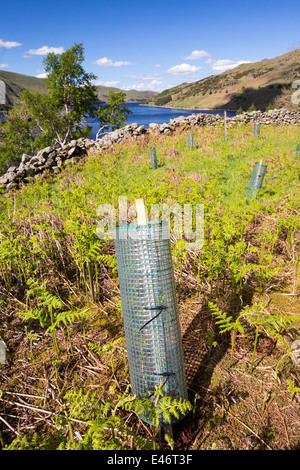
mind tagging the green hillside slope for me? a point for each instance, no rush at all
(131, 95)
(16, 83)
(258, 83)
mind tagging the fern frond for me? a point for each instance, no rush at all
(224, 321)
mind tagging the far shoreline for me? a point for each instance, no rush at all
(189, 109)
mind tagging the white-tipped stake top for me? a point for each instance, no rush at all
(141, 211)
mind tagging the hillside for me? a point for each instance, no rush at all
(259, 83)
(17, 82)
(131, 95)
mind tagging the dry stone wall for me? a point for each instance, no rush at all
(51, 159)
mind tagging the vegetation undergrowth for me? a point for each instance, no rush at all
(66, 383)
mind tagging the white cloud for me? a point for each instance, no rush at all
(144, 77)
(153, 85)
(9, 44)
(44, 50)
(104, 83)
(197, 55)
(157, 65)
(42, 75)
(225, 64)
(105, 62)
(183, 69)
(2, 66)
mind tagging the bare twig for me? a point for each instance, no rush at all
(284, 425)
(9, 426)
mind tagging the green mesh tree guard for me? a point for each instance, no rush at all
(190, 141)
(150, 311)
(256, 180)
(153, 158)
(256, 130)
(297, 151)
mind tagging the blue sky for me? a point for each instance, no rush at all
(149, 45)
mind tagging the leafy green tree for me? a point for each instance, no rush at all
(252, 108)
(70, 90)
(39, 119)
(20, 133)
(114, 113)
(58, 116)
(16, 134)
(46, 116)
(32, 124)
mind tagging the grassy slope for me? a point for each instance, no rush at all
(249, 256)
(131, 95)
(262, 82)
(16, 83)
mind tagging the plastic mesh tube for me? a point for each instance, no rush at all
(257, 178)
(150, 311)
(256, 130)
(153, 158)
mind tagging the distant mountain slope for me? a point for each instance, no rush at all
(258, 83)
(17, 82)
(131, 95)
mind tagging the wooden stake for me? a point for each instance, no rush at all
(141, 211)
(225, 123)
(2, 352)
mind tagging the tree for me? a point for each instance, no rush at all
(38, 120)
(20, 134)
(252, 108)
(45, 113)
(70, 90)
(58, 116)
(114, 113)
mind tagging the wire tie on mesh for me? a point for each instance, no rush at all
(164, 374)
(159, 307)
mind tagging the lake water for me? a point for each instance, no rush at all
(144, 115)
